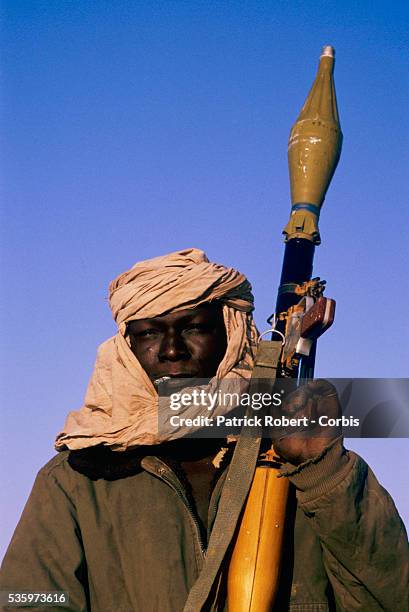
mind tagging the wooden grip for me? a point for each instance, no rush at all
(318, 318)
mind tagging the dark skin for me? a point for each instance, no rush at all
(192, 343)
(188, 343)
(315, 399)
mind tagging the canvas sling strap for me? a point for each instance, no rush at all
(236, 487)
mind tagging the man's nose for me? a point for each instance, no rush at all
(173, 348)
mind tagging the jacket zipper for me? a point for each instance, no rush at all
(189, 506)
(174, 484)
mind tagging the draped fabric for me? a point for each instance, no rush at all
(121, 403)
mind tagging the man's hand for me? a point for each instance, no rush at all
(313, 400)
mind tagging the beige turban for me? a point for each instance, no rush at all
(121, 403)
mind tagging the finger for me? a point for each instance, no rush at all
(296, 400)
(322, 387)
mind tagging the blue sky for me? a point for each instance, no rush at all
(131, 129)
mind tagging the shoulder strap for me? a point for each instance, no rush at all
(236, 486)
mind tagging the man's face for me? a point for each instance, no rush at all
(184, 344)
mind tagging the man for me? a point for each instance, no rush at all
(120, 518)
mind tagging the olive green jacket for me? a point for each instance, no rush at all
(134, 544)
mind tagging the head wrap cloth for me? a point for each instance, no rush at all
(121, 403)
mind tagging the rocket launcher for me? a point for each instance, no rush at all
(302, 315)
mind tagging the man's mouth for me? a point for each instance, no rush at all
(163, 377)
(175, 375)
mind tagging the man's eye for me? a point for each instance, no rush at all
(146, 333)
(196, 328)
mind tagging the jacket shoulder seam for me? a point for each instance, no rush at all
(55, 462)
